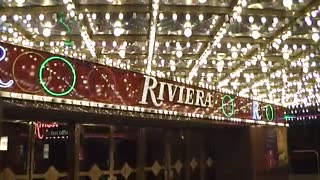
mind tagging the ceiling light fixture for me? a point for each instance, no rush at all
(118, 30)
(315, 37)
(20, 1)
(46, 32)
(187, 29)
(287, 3)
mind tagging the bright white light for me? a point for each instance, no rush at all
(174, 16)
(122, 52)
(255, 34)
(315, 37)
(201, 17)
(234, 55)
(107, 16)
(173, 68)
(46, 32)
(202, 1)
(41, 17)
(251, 19)
(3, 18)
(20, 1)
(287, 3)
(285, 55)
(117, 31)
(15, 17)
(179, 53)
(187, 31)
(161, 16)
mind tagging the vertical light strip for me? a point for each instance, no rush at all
(71, 8)
(236, 11)
(152, 34)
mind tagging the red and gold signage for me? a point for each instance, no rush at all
(41, 73)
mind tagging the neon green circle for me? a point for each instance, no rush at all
(269, 108)
(223, 104)
(43, 84)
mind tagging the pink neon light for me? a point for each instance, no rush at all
(40, 127)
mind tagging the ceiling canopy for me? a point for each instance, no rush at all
(267, 49)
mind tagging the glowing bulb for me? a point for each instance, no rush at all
(46, 32)
(287, 3)
(285, 55)
(315, 37)
(187, 31)
(117, 31)
(20, 1)
(255, 34)
(122, 52)
(179, 53)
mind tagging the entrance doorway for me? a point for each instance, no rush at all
(60, 150)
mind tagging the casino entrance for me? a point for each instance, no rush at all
(64, 150)
(80, 146)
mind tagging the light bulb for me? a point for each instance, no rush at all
(287, 3)
(285, 55)
(122, 52)
(315, 37)
(255, 34)
(187, 31)
(46, 32)
(179, 53)
(117, 31)
(20, 1)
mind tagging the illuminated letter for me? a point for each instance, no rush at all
(199, 98)
(171, 92)
(161, 90)
(209, 100)
(189, 98)
(148, 87)
(181, 94)
(255, 111)
(269, 112)
(2, 57)
(225, 104)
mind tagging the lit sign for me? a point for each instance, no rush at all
(227, 103)
(4, 143)
(178, 94)
(255, 110)
(40, 128)
(3, 55)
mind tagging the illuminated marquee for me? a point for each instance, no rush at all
(41, 73)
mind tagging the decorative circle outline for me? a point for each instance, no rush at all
(90, 91)
(223, 104)
(13, 71)
(43, 84)
(269, 107)
(4, 53)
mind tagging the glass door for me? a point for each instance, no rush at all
(14, 150)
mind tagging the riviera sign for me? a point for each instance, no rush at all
(176, 94)
(155, 91)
